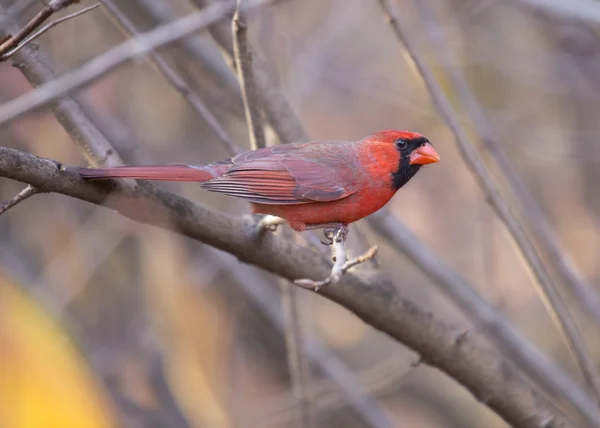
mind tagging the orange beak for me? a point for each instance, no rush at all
(424, 155)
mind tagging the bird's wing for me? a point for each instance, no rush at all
(291, 174)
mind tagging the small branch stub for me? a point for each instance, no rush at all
(341, 263)
(20, 197)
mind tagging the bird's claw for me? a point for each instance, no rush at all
(264, 224)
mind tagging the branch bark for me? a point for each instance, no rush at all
(466, 358)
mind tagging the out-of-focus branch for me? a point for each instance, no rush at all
(202, 51)
(557, 307)
(466, 358)
(18, 198)
(534, 216)
(242, 57)
(176, 80)
(131, 49)
(583, 10)
(278, 112)
(52, 7)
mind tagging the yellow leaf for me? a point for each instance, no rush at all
(44, 381)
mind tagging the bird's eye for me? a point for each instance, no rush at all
(401, 144)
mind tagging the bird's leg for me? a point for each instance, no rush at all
(266, 222)
(341, 263)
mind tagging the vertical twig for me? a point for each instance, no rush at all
(242, 55)
(557, 308)
(297, 362)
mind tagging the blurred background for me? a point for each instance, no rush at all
(104, 322)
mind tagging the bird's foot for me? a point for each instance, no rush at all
(341, 263)
(265, 223)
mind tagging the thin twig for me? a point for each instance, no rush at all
(177, 81)
(549, 292)
(45, 28)
(52, 7)
(18, 198)
(126, 51)
(242, 55)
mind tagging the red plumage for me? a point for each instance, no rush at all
(308, 184)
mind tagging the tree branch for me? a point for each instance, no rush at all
(465, 358)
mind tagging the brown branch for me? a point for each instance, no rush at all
(242, 57)
(465, 358)
(18, 198)
(52, 7)
(558, 308)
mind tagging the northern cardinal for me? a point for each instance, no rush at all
(310, 185)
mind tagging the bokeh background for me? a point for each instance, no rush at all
(104, 322)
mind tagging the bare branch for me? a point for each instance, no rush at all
(535, 218)
(242, 55)
(131, 49)
(45, 28)
(18, 198)
(468, 360)
(176, 80)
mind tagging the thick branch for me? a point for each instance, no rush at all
(465, 358)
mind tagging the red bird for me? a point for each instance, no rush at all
(310, 185)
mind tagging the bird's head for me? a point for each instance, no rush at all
(414, 151)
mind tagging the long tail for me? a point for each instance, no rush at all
(151, 172)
